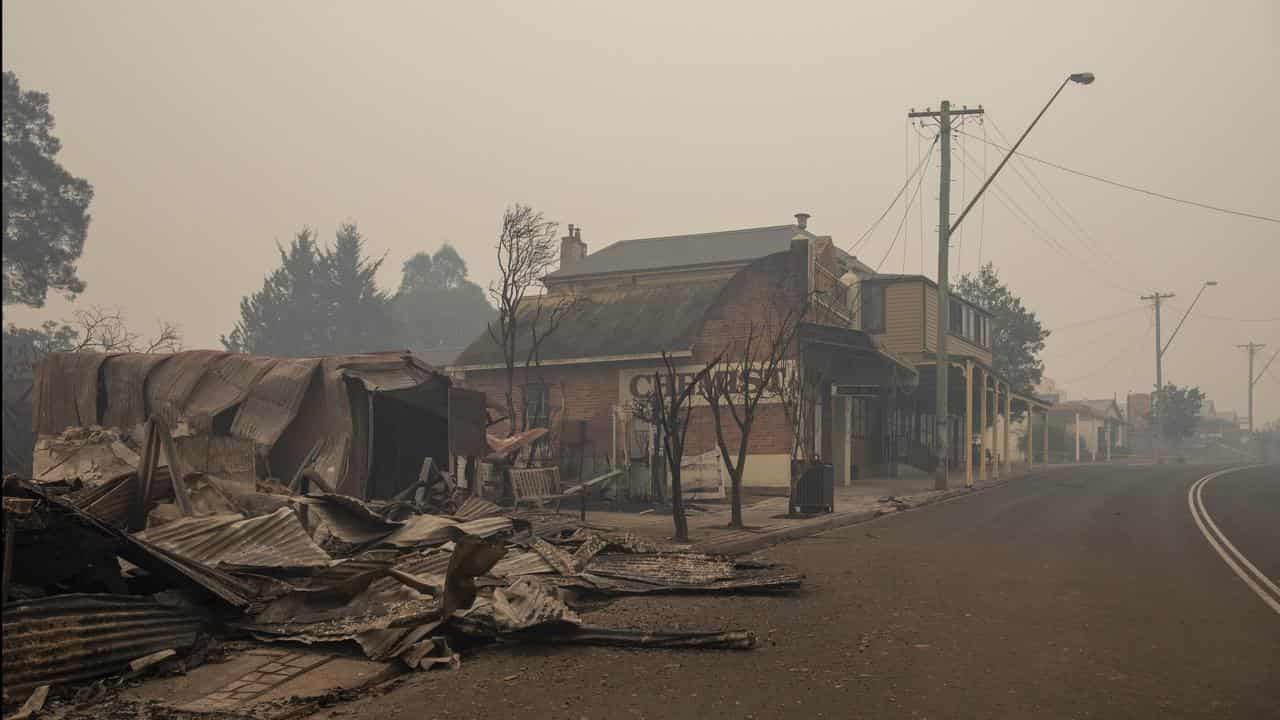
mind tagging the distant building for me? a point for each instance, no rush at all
(1079, 432)
(1117, 426)
(1138, 411)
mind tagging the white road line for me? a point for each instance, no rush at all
(1217, 540)
(1208, 519)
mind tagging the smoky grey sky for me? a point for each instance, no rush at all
(212, 130)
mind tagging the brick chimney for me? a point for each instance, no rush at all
(572, 249)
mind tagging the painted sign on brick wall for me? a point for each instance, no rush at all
(637, 383)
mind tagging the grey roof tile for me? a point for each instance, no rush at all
(725, 246)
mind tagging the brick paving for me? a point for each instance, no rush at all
(277, 667)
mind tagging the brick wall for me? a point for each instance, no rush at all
(757, 294)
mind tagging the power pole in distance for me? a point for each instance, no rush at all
(942, 360)
(1157, 430)
(1253, 349)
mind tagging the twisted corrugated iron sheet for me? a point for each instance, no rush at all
(275, 541)
(65, 639)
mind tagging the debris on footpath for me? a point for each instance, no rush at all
(88, 600)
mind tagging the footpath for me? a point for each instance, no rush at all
(767, 522)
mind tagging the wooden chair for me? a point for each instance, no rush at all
(538, 486)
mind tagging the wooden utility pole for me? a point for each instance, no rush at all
(1156, 428)
(942, 360)
(1253, 349)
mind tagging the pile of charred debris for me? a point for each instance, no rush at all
(111, 568)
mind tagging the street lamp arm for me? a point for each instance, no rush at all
(1265, 367)
(1007, 157)
(1184, 319)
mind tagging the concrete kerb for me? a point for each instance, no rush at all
(769, 538)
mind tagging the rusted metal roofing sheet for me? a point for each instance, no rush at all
(474, 508)
(668, 569)
(379, 373)
(171, 383)
(125, 378)
(273, 401)
(66, 391)
(350, 520)
(91, 455)
(437, 530)
(225, 383)
(109, 502)
(521, 563)
(684, 572)
(425, 564)
(275, 541)
(65, 639)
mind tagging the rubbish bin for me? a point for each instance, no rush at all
(816, 488)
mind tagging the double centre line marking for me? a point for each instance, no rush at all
(1239, 564)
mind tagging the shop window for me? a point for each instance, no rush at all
(537, 405)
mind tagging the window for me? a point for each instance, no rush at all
(537, 404)
(872, 308)
(969, 323)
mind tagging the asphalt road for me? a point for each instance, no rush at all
(1077, 593)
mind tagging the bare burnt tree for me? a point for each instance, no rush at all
(104, 329)
(668, 407)
(750, 371)
(526, 252)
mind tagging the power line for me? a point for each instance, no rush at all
(914, 194)
(1110, 360)
(1101, 318)
(1046, 238)
(982, 218)
(892, 202)
(1083, 348)
(920, 221)
(1134, 188)
(1076, 227)
(1234, 319)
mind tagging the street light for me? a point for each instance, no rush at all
(1160, 351)
(1084, 78)
(946, 229)
(1207, 284)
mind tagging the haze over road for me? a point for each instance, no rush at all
(1075, 593)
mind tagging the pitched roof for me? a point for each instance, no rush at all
(636, 321)
(726, 246)
(1103, 406)
(1078, 406)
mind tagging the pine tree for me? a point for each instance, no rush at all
(317, 302)
(360, 312)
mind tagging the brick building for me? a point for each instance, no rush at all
(690, 296)
(864, 350)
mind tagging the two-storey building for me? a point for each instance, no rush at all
(863, 350)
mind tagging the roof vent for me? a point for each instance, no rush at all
(802, 220)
